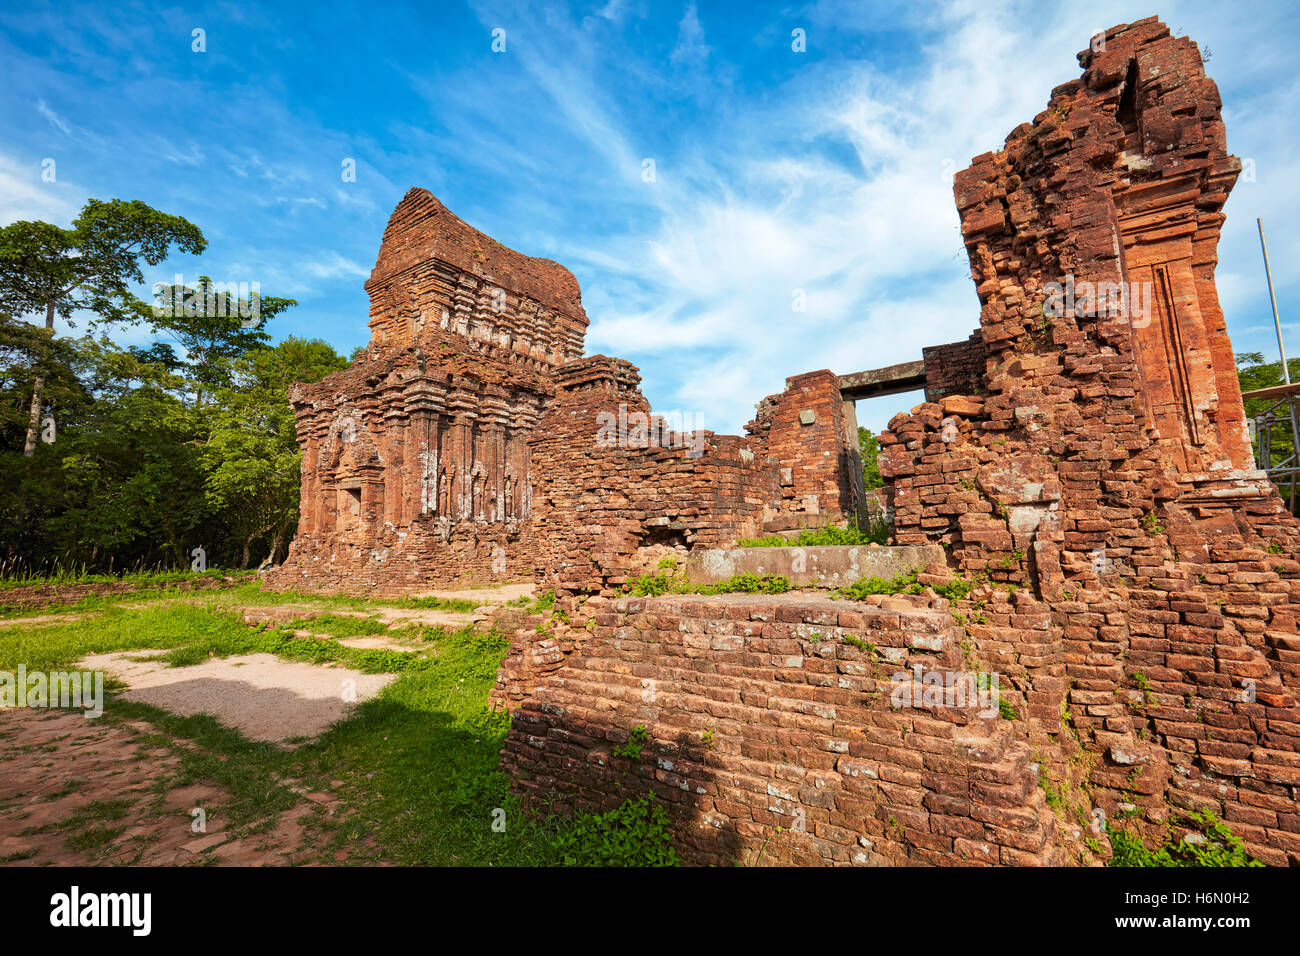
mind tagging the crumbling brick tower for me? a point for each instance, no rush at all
(416, 465)
(1102, 457)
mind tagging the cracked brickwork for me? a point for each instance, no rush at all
(415, 459)
(1083, 455)
(761, 712)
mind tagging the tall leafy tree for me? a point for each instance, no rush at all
(213, 325)
(91, 267)
(869, 452)
(31, 491)
(134, 479)
(250, 456)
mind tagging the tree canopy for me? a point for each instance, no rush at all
(145, 452)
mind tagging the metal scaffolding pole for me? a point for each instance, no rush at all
(1286, 372)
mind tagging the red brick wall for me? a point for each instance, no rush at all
(806, 438)
(1103, 463)
(761, 715)
(430, 426)
(598, 504)
(605, 514)
(467, 471)
(954, 369)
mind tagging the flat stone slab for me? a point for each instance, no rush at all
(264, 696)
(831, 566)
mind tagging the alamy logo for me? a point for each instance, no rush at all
(636, 429)
(79, 690)
(1098, 299)
(939, 688)
(74, 908)
(209, 300)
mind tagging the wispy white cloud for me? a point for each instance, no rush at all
(334, 266)
(690, 47)
(191, 156)
(820, 180)
(298, 274)
(24, 195)
(57, 121)
(832, 191)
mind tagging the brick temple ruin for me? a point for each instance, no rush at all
(1081, 461)
(472, 442)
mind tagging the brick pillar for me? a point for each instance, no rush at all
(309, 518)
(395, 470)
(372, 494)
(857, 503)
(458, 449)
(496, 416)
(422, 459)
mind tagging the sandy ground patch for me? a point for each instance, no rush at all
(381, 643)
(259, 694)
(497, 594)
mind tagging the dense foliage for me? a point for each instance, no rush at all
(869, 451)
(1211, 843)
(1254, 373)
(144, 453)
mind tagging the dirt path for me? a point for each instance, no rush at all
(79, 791)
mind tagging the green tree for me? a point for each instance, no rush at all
(213, 327)
(1254, 373)
(250, 456)
(28, 353)
(869, 450)
(32, 490)
(91, 266)
(130, 471)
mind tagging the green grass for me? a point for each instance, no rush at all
(666, 582)
(828, 536)
(418, 762)
(906, 583)
(339, 626)
(153, 586)
(430, 603)
(245, 589)
(766, 541)
(141, 578)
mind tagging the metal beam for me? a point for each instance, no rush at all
(1273, 391)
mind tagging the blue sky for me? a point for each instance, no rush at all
(827, 171)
